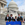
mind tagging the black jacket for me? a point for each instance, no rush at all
(10, 18)
(18, 19)
(6, 18)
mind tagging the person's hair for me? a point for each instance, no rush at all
(15, 16)
(18, 14)
(10, 14)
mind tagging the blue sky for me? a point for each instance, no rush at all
(20, 3)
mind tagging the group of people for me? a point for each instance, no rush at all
(19, 18)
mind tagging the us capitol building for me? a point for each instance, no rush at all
(12, 9)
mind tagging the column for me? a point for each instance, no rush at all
(0, 8)
(3, 5)
(0, 5)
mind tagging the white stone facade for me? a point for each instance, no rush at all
(2, 9)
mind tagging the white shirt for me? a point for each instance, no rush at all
(11, 17)
(7, 17)
(19, 16)
(15, 19)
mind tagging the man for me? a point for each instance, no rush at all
(15, 18)
(22, 17)
(7, 17)
(11, 18)
(24, 20)
(19, 18)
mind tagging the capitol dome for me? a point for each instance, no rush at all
(12, 4)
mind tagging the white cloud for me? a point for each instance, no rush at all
(22, 7)
(18, 2)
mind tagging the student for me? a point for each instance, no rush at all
(22, 17)
(15, 18)
(19, 18)
(11, 18)
(24, 20)
(7, 17)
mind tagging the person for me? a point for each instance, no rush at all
(11, 18)
(22, 17)
(15, 18)
(24, 21)
(7, 17)
(19, 18)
